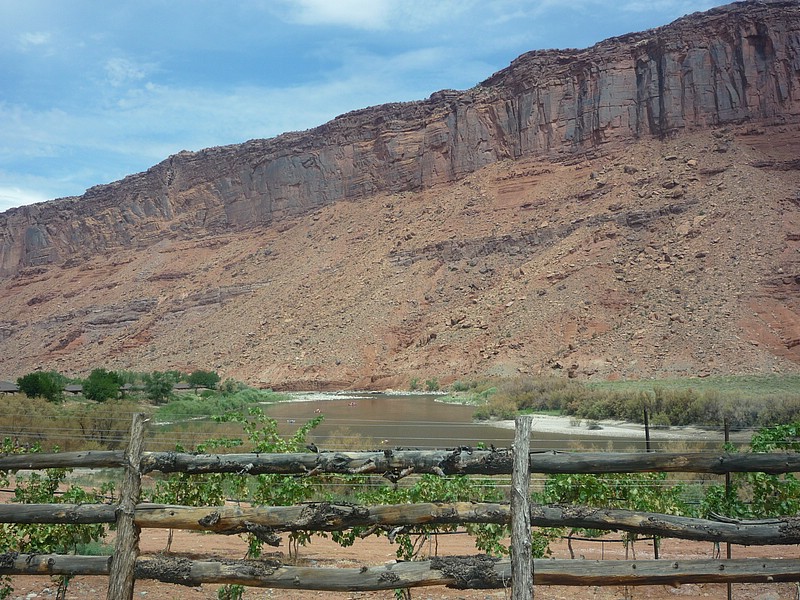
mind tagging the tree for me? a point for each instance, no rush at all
(206, 379)
(102, 385)
(43, 384)
(158, 386)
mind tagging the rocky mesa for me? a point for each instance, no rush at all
(733, 64)
(629, 209)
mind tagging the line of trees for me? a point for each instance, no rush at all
(102, 384)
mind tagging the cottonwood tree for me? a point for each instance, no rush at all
(158, 386)
(206, 379)
(102, 385)
(43, 384)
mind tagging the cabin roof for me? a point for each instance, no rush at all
(8, 386)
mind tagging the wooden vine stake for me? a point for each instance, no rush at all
(126, 547)
(521, 559)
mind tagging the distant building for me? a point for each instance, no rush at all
(8, 387)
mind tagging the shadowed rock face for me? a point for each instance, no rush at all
(737, 63)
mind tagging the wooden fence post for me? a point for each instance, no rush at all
(728, 553)
(521, 559)
(126, 547)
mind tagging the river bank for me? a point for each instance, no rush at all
(562, 425)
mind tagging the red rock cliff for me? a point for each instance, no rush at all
(736, 63)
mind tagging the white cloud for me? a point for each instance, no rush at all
(674, 7)
(34, 38)
(359, 14)
(121, 72)
(397, 15)
(12, 196)
(34, 43)
(416, 15)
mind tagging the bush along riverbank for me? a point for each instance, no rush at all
(742, 402)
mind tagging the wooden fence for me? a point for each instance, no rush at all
(521, 573)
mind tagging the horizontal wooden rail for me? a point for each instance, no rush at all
(398, 463)
(94, 459)
(478, 572)
(395, 464)
(326, 516)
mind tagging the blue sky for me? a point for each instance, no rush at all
(92, 90)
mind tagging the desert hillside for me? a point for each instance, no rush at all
(628, 210)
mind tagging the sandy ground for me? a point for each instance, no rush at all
(617, 429)
(376, 551)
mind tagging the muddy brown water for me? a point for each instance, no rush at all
(423, 421)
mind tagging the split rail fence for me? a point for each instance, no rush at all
(520, 573)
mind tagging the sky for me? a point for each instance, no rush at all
(92, 90)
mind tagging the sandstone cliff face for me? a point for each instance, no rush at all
(661, 258)
(737, 63)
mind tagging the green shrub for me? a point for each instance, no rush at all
(43, 384)
(780, 408)
(497, 408)
(660, 421)
(48, 487)
(462, 386)
(101, 385)
(673, 406)
(189, 406)
(231, 386)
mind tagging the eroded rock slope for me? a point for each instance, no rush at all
(626, 210)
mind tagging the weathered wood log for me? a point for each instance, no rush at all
(521, 540)
(664, 572)
(332, 517)
(746, 533)
(126, 545)
(58, 513)
(464, 572)
(326, 516)
(14, 563)
(95, 459)
(394, 463)
(465, 462)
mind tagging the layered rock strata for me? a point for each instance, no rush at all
(736, 63)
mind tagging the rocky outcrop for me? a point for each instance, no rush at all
(526, 244)
(736, 63)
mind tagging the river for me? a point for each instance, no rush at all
(372, 421)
